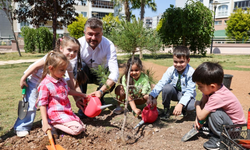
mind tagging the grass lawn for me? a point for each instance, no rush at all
(10, 76)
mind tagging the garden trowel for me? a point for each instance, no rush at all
(190, 134)
(23, 105)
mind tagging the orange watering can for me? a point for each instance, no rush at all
(149, 115)
(93, 106)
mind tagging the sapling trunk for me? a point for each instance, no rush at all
(126, 99)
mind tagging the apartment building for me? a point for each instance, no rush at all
(94, 8)
(147, 22)
(155, 21)
(151, 22)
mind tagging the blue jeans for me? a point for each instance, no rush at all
(31, 96)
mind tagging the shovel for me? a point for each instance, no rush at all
(190, 134)
(52, 145)
(23, 105)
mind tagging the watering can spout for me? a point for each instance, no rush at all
(139, 124)
(105, 106)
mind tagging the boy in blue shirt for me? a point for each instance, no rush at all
(176, 84)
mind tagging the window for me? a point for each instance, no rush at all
(222, 10)
(243, 4)
(102, 4)
(84, 14)
(225, 21)
(99, 15)
(22, 24)
(201, 1)
(217, 22)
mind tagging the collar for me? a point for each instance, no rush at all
(53, 79)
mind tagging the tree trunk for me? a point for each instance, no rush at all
(127, 10)
(17, 45)
(142, 9)
(141, 55)
(183, 41)
(54, 24)
(126, 99)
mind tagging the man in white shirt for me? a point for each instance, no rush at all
(97, 50)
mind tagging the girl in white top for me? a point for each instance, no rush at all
(70, 47)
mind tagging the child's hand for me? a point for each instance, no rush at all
(152, 101)
(23, 83)
(83, 95)
(137, 111)
(178, 109)
(46, 127)
(197, 125)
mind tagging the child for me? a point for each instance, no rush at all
(53, 97)
(176, 84)
(70, 47)
(218, 104)
(140, 86)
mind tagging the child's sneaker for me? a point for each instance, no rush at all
(165, 115)
(213, 143)
(118, 110)
(22, 133)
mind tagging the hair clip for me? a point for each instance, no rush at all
(78, 70)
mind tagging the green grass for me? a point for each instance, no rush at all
(11, 93)
(228, 62)
(15, 56)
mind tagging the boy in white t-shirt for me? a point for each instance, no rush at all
(218, 104)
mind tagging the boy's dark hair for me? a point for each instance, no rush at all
(181, 51)
(208, 73)
(93, 23)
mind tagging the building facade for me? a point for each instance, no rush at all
(151, 22)
(94, 8)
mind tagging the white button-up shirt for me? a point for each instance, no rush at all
(104, 54)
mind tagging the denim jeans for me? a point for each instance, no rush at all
(31, 96)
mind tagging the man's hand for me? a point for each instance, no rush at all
(152, 101)
(97, 94)
(178, 109)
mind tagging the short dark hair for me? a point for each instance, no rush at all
(93, 23)
(208, 73)
(181, 51)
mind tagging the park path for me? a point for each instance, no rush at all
(17, 61)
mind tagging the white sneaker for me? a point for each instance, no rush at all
(22, 133)
(118, 110)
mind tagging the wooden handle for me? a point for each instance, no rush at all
(51, 139)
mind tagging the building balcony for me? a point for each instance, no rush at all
(102, 4)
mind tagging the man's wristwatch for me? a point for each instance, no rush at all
(101, 92)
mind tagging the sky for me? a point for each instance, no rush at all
(162, 5)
